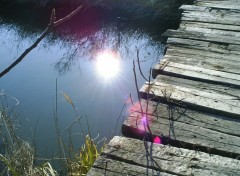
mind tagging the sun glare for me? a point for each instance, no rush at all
(108, 65)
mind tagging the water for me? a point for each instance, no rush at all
(68, 56)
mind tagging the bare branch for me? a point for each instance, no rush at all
(136, 85)
(57, 23)
(50, 27)
(148, 91)
(139, 66)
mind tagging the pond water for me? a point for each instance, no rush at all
(67, 63)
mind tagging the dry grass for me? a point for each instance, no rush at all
(17, 157)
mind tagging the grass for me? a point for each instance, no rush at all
(18, 156)
(82, 163)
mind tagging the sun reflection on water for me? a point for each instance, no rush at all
(108, 64)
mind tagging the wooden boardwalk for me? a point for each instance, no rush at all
(191, 110)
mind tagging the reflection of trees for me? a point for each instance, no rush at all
(97, 30)
(119, 37)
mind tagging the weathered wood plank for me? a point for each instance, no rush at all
(193, 8)
(232, 51)
(222, 65)
(197, 73)
(203, 51)
(169, 159)
(109, 167)
(211, 88)
(178, 113)
(201, 98)
(204, 54)
(229, 18)
(173, 123)
(190, 44)
(227, 37)
(234, 47)
(189, 25)
(207, 9)
(212, 31)
(235, 5)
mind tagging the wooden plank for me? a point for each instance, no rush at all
(110, 167)
(215, 18)
(195, 51)
(198, 73)
(235, 5)
(177, 113)
(179, 126)
(189, 25)
(169, 159)
(227, 37)
(229, 78)
(211, 88)
(204, 54)
(232, 51)
(196, 44)
(212, 31)
(204, 97)
(234, 47)
(222, 65)
(207, 9)
(186, 7)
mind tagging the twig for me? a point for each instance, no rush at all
(131, 99)
(136, 85)
(148, 90)
(146, 126)
(57, 23)
(139, 66)
(123, 107)
(148, 154)
(52, 24)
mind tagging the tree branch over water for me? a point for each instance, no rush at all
(52, 24)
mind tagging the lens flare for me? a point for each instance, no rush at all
(108, 64)
(157, 140)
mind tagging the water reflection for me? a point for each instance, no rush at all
(69, 54)
(108, 64)
(86, 35)
(108, 38)
(84, 40)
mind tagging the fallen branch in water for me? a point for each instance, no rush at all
(52, 24)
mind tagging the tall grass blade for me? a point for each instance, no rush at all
(48, 170)
(69, 100)
(8, 164)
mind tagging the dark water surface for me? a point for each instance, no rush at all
(69, 55)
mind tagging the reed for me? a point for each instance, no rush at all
(17, 156)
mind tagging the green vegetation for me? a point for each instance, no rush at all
(18, 156)
(81, 164)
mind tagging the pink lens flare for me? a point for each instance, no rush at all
(144, 121)
(157, 140)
